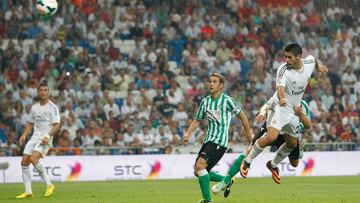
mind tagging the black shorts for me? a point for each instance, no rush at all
(212, 153)
(294, 154)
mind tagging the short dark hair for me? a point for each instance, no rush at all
(221, 78)
(294, 48)
(43, 84)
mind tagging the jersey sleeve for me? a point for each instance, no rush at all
(280, 76)
(233, 107)
(310, 60)
(200, 114)
(55, 115)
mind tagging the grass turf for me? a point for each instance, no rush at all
(291, 189)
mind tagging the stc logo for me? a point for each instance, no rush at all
(155, 170)
(309, 166)
(75, 172)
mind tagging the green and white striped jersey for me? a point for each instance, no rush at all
(218, 112)
(306, 110)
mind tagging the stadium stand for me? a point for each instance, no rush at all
(127, 75)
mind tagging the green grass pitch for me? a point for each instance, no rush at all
(291, 189)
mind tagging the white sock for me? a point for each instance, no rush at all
(254, 152)
(43, 174)
(26, 179)
(281, 154)
(203, 172)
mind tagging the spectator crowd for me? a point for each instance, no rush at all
(146, 97)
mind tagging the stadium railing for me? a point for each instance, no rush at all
(190, 149)
(331, 146)
(101, 150)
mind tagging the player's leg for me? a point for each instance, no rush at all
(228, 181)
(280, 140)
(26, 176)
(258, 147)
(201, 172)
(295, 155)
(40, 151)
(204, 178)
(25, 163)
(260, 133)
(216, 177)
(235, 167)
(208, 158)
(283, 151)
(294, 162)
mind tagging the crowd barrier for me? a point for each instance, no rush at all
(127, 167)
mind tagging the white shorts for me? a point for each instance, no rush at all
(35, 145)
(283, 120)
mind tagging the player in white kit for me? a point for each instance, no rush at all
(291, 80)
(45, 119)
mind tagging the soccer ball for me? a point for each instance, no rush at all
(46, 7)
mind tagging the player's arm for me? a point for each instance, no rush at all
(280, 85)
(200, 114)
(55, 118)
(305, 120)
(262, 114)
(28, 127)
(194, 124)
(245, 121)
(320, 68)
(235, 109)
(281, 95)
(54, 129)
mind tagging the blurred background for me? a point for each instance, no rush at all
(127, 76)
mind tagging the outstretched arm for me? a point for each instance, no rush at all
(194, 124)
(262, 114)
(320, 68)
(302, 117)
(245, 121)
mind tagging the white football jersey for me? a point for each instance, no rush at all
(43, 118)
(294, 81)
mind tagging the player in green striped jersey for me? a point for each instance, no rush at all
(301, 111)
(217, 109)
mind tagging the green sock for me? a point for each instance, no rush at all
(234, 169)
(215, 176)
(204, 181)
